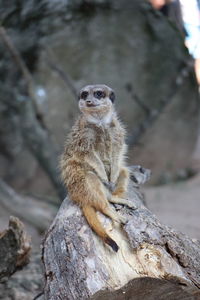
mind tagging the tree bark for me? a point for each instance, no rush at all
(79, 266)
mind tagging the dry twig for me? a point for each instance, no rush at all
(53, 64)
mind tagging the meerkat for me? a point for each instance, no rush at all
(93, 163)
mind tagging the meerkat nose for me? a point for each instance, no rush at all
(89, 103)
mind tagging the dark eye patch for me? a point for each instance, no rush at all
(112, 96)
(99, 94)
(84, 95)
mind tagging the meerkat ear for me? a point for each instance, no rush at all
(112, 96)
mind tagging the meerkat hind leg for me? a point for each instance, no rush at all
(113, 215)
(101, 202)
(121, 184)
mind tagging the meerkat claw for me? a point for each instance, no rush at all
(123, 219)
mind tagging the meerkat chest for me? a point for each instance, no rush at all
(107, 145)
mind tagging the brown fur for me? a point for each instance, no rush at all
(93, 164)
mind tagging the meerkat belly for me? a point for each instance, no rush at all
(104, 150)
(106, 160)
(107, 165)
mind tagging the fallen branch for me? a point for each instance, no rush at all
(137, 99)
(25, 284)
(53, 64)
(14, 248)
(37, 213)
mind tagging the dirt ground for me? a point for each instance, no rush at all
(177, 205)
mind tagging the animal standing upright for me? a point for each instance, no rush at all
(93, 163)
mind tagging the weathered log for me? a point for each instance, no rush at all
(79, 266)
(14, 248)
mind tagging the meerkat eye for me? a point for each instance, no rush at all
(99, 94)
(112, 96)
(84, 95)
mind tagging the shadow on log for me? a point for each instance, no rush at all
(79, 266)
(147, 288)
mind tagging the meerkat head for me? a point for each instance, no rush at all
(96, 102)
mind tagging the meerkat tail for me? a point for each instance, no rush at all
(92, 219)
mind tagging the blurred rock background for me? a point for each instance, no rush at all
(49, 50)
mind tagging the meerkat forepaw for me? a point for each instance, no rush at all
(116, 224)
(130, 204)
(117, 200)
(119, 220)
